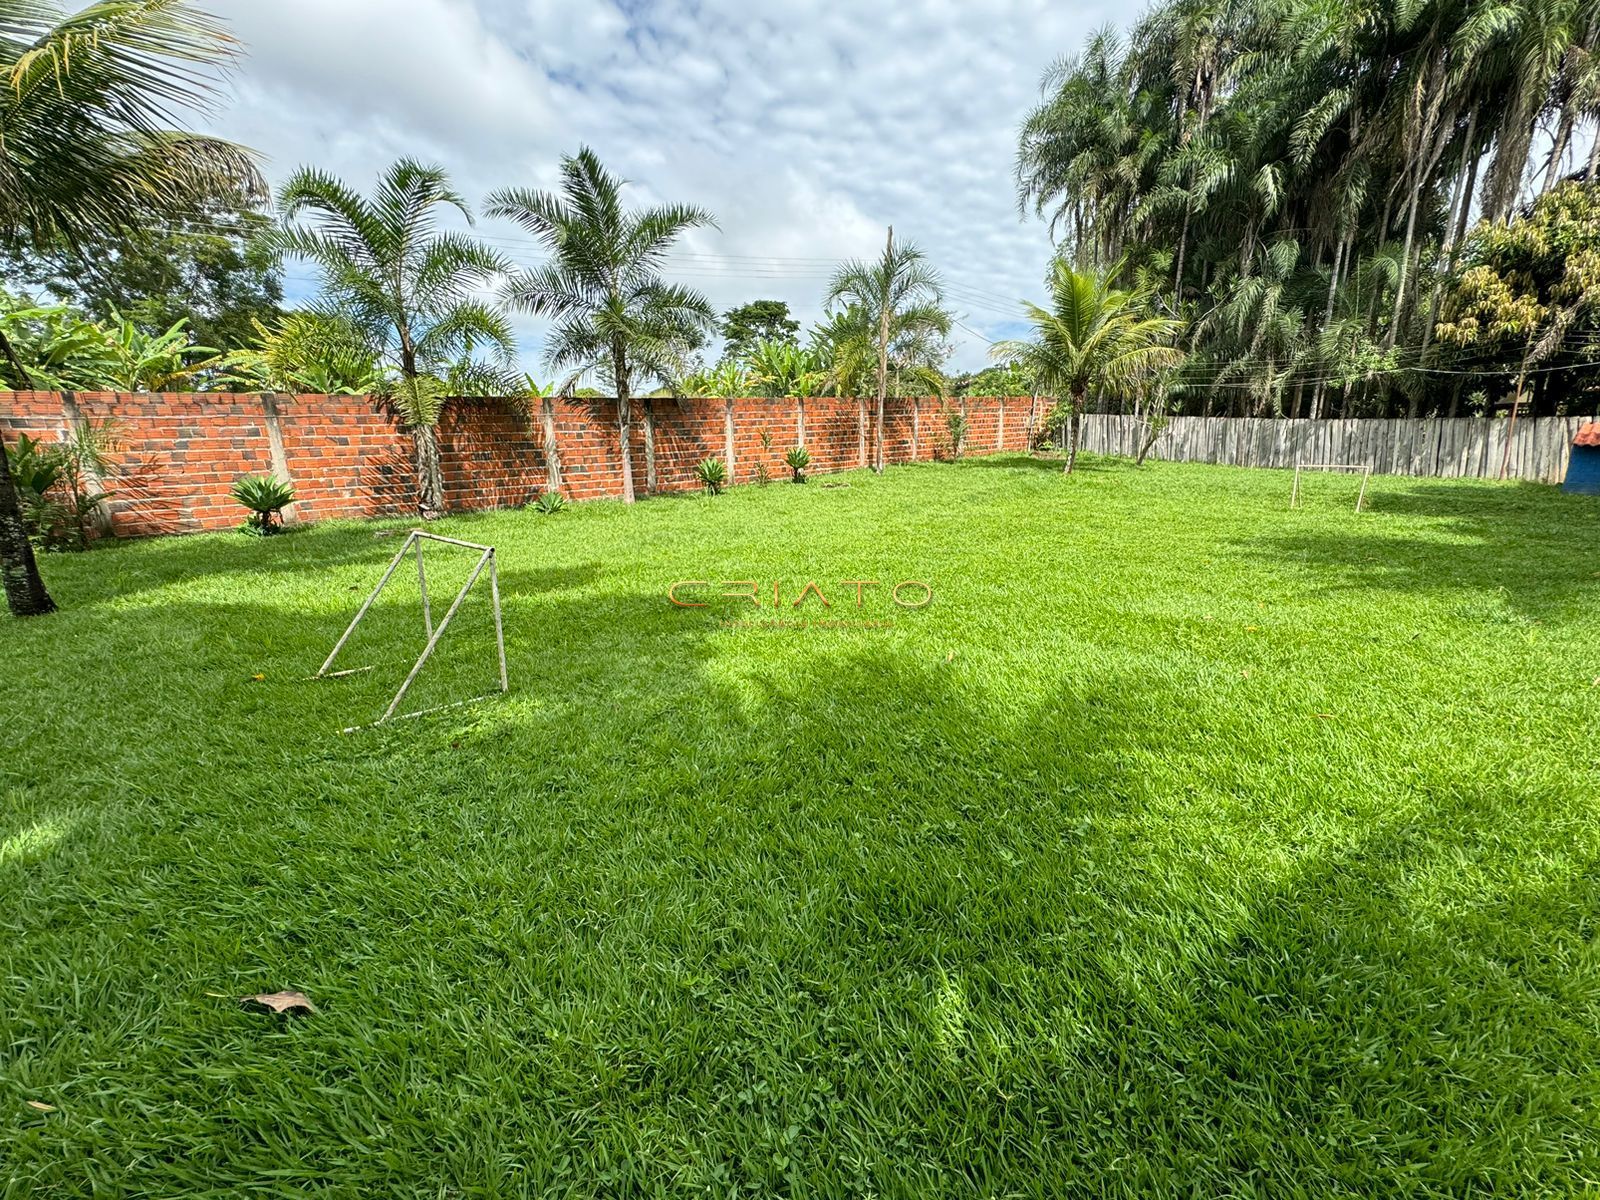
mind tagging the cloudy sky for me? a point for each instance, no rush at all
(805, 127)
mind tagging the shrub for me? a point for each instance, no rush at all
(266, 496)
(54, 483)
(712, 474)
(798, 460)
(763, 473)
(956, 426)
(36, 469)
(550, 503)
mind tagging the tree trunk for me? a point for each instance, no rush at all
(619, 369)
(19, 570)
(883, 360)
(1559, 149)
(552, 451)
(1183, 245)
(430, 481)
(650, 485)
(1072, 430)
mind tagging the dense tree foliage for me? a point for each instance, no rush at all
(746, 325)
(208, 269)
(1297, 178)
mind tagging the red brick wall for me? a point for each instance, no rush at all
(180, 452)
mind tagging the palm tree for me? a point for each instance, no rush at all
(86, 105)
(410, 288)
(899, 294)
(1094, 336)
(613, 312)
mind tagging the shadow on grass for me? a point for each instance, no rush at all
(724, 907)
(1519, 542)
(1051, 461)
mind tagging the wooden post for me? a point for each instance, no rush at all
(1000, 424)
(1516, 403)
(916, 429)
(727, 438)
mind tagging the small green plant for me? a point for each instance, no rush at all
(956, 427)
(763, 472)
(798, 459)
(36, 469)
(550, 503)
(266, 496)
(56, 483)
(712, 474)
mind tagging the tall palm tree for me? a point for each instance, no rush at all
(411, 288)
(900, 294)
(1092, 336)
(88, 102)
(614, 314)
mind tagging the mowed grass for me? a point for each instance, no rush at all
(1183, 845)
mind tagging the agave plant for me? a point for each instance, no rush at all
(266, 496)
(712, 474)
(798, 459)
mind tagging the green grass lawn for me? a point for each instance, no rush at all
(1183, 845)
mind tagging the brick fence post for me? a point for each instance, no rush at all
(727, 439)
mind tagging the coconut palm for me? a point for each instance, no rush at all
(410, 288)
(1093, 336)
(614, 314)
(899, 295)
(88, 107)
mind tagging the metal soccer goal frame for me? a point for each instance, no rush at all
(486, 558)
(1366, 474)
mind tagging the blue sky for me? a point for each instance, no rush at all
(806, 128)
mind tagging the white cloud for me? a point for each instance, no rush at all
(806, 127)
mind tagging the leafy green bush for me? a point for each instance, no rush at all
(956, 426)
(798, 459)
(36, 469)
(712, 474)
(56, 481)
(266, 496)
(550, 503)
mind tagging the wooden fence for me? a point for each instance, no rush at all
(1451, 448)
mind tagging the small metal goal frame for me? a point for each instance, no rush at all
(1366, 474)
(486, 558)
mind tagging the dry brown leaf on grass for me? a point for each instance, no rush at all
(40, 1105)
(281, 1002)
